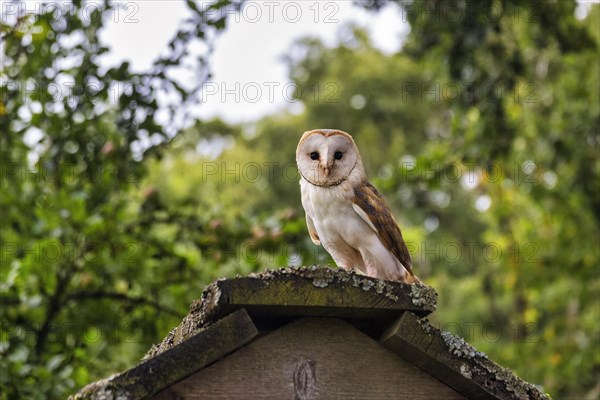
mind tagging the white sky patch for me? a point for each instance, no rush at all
(440, 198)
(483, 203)
(529, 167)
(213, 147)
(583, 8)
(249, 76)
(550, 179)
(431, 223)
(138, 31)
(470, 179)
(408, 161)
(358, 102)
(32, 137)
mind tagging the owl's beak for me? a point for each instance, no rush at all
(327, 168)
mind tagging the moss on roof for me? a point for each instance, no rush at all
(154, 374)
(304, 291)
(455, 362)
(225, 318)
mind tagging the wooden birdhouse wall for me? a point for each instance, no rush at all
(311, 358)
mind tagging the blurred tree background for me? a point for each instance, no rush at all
(483, 133)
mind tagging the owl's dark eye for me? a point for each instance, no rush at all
(314, 155)
(338, 155)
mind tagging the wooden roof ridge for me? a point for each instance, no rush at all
(305, 291)
(232, 313)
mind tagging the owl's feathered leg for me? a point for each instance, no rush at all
(347, 258)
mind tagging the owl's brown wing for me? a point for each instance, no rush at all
(312, 231)
(371, 207)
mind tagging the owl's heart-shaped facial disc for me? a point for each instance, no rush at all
(326, 157)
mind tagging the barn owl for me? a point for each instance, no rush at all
(344, 212)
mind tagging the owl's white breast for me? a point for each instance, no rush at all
(330, 209)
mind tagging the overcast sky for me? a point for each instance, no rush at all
(249, 78)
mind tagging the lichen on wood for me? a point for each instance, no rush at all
(454, 361)
(304, 291)
(175, 363)
(231, 312)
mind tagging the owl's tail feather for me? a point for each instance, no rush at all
(412, 279)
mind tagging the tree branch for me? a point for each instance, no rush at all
(55, 304)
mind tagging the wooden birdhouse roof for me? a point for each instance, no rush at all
(382, 316)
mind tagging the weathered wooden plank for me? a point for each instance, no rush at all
(324, 292)
(176, 363)
(311, 358)
(454, 362)
(303, 292)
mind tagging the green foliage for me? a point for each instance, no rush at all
(499, 167)
(482, 133)
(85, 287)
